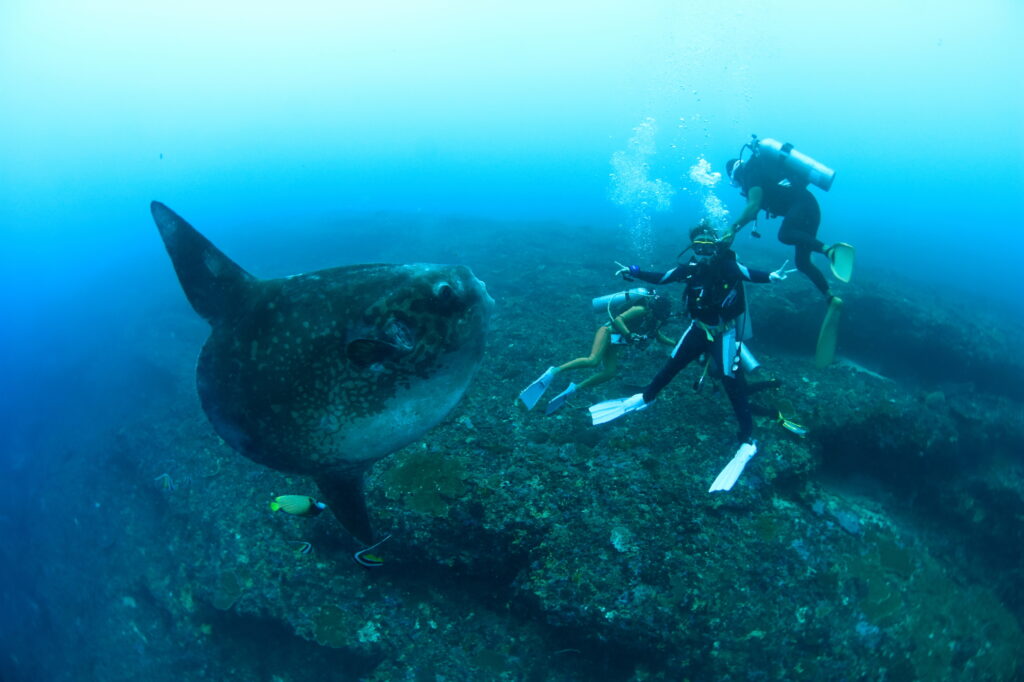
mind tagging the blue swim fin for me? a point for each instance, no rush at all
(559, 400)
(532, 393)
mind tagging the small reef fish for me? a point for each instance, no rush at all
(297, 505)
(364, 558)
(792, 427)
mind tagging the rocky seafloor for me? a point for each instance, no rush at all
(886, 545)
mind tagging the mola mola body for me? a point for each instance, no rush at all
(324, 373)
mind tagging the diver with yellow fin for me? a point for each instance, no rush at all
(774, 179)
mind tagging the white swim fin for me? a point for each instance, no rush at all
(602, 413)
(731, 473)
(532, 393)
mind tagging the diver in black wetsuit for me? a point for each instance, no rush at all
(715, 301)
(760, 182)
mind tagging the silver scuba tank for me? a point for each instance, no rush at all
(735, 354)
(750, 363)
(795, 164)
(620, 301)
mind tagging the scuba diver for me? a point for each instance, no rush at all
(774, 179)
(716, 303)
(634, 317)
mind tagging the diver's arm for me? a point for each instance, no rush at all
(680, 273)
(750, 274)
(619, 323)
(750, 211)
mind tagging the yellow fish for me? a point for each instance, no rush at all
(792, 427)
(298, 505)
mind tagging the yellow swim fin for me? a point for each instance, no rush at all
(829, 334)
(841, 255)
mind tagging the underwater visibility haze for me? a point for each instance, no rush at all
(375, 224)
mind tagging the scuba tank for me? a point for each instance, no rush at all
(619, 302)
(790, 163)
(735, 354)
(747, 358)
(795, 165)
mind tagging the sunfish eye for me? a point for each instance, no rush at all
(444, 291)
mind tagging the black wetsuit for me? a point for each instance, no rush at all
(715, 300)
(801, 215)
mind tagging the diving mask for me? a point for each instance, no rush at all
(734, 173)
(704, 246)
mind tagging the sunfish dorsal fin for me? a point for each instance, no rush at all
(213, 283)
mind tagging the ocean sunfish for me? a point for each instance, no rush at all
(324, 373)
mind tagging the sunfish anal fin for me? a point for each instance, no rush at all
(343, 493)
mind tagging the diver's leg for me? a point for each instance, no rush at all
(800, 224)
(601, 341)
(804, 265)
(690, 346)
(736, 389)
(799, 228)
(609, 368)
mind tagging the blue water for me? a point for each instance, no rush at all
(249, 118)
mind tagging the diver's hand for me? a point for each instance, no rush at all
(626, 271)
(637, 338)
(781, 273)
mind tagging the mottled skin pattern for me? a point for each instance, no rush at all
(278, 382)
(324, 373)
